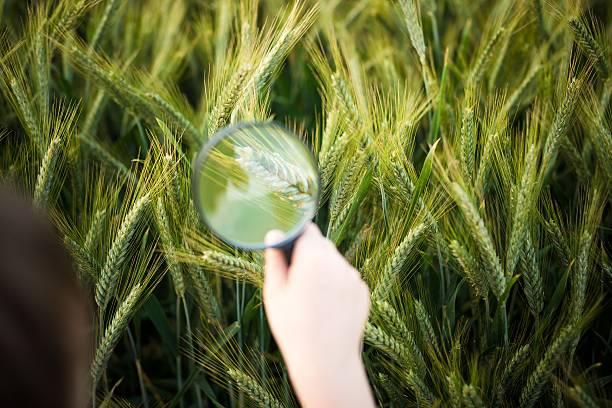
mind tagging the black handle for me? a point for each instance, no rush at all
(288, 251)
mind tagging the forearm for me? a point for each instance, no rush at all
(338, 385)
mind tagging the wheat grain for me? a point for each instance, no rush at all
(420, 389)
(495, 275)
(539, 377)
(391, 318)
(484, 167)
(559, 241)
(41, 71)
(340, 198)
(253, 389)
(118, 252)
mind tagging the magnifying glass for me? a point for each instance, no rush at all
(251, 178)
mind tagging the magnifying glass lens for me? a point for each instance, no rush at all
(253, 178)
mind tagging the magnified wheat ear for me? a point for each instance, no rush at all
(288, 180)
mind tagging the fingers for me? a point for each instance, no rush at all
(275, 264)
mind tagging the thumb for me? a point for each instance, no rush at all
(276, 265)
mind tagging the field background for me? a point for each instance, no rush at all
(465, 152)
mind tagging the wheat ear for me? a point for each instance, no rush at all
(521, 212)
(286, 179)
(485, 56)
(471, 399)
(165, 234)
(540, 376)
(468, 142)
(232, 266)
(113, 332)
(94, 231)
(118, 252)
(427, 330)
(396, 262)
(391, 318)
(46, 173)
(591, 47)
(532, 279)
(560, 125)
(495, 275)
(471, 269)
(227, 101)
(253, 389)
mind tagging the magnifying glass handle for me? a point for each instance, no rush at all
(287, 251)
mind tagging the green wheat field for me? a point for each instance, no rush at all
(465, 154)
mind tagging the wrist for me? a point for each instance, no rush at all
(331, 382)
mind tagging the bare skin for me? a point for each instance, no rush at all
(317, 309)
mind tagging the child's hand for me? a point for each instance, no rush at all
(317, 309)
